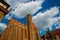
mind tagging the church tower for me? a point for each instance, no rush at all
(29, 27)
(18, 31)
(33, 33)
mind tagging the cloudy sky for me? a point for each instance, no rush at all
(45, 13)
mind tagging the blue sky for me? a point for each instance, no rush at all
(45, 13)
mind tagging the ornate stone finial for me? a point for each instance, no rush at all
(28, 11)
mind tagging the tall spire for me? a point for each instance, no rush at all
(29, 24)
(29, 17)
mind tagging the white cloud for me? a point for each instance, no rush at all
(11, 1)
(2, 26)
(58, 27)
(22, 9)
(58, 22)
(14, 3)
(9, 16)
(45, 20)
(53, 21)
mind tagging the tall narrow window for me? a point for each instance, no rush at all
(35, 36)
(1, 15)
